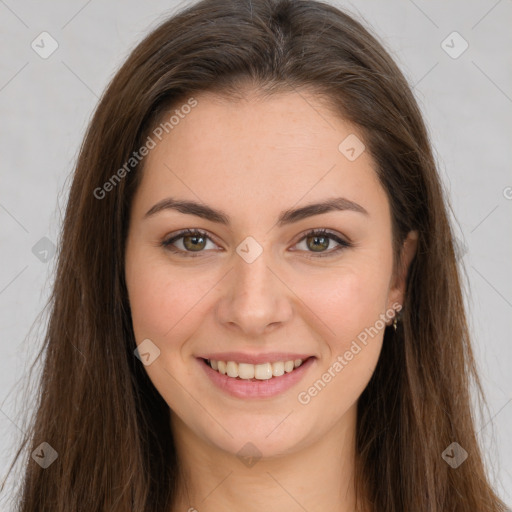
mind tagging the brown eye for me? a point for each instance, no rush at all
(317, 241)
(193, 241)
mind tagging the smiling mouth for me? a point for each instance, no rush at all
(254, 372)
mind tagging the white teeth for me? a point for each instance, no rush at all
(263, 371)
(222, 367)
(232, 369)
(278, 369)
(247, 371)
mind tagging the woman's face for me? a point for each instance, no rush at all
(253, 286)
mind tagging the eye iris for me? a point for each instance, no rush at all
(193, 237)
(325, 245)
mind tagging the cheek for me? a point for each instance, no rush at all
(164, 308)
(349, 299)
(166, 303)
(350, 302)
(351, 307)
(157, 297)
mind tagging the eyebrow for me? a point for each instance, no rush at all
(285, 217)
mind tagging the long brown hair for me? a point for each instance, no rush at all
(96, 405)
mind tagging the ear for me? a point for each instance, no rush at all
(408, 251)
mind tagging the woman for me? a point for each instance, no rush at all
(257, 303)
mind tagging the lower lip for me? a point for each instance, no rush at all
(245, 388)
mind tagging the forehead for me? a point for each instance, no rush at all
(277, 148)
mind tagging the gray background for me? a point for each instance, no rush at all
(45, 105)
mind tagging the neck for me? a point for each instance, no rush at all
(319, 476)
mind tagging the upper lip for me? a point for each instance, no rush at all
(240, 357)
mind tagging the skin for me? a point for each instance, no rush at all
(252, 159)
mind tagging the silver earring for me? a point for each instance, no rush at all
(395, 323)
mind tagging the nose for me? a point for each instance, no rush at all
(255, 299)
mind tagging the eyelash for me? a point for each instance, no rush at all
(315, 232)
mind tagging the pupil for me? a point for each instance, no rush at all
(195, 238)
(316, 238)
